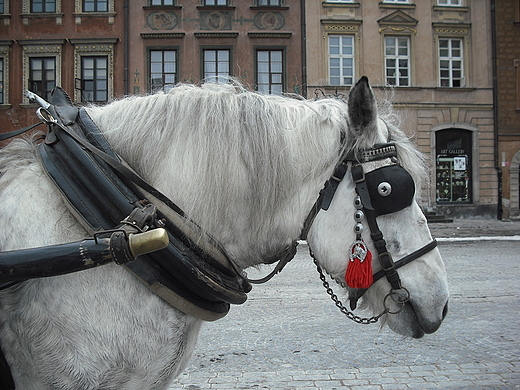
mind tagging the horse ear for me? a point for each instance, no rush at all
(362, 106)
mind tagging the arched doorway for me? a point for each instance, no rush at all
(453, 166)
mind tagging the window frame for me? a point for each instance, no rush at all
(174, 3)
(341, 57)
(41, 48)
(217, 74)
(96, 4)
(449, 3)
(28, 14)
(44, 91)
(27, 9)
(206, 3)
(91, 48)
(269, 3)
(271, 73)
(79, 12)
(95, 79)
(150, 86)
(44, 3)
(451, 59)
(398, 57)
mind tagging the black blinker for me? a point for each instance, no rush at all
(401, 184)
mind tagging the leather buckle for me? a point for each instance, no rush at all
(358, 174)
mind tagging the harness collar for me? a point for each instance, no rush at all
(193, 273)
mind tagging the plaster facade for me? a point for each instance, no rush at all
(427, 101)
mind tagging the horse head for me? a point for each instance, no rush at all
(388, 163)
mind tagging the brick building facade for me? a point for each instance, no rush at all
(436, 55)
(99, 50)
(507, 23)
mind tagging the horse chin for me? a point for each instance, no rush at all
(410, 322)
(406, 323)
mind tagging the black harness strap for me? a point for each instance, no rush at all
(14, 133)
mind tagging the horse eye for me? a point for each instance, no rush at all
(384, 188)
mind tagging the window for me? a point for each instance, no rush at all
(95, 5)
(41, 6)
(275, 3)
(397, 1)
(269, 65)
(41, 66)
(216, 65)
(215, 2)
(397, 61)
(162, 2)
(42, 76)
(451, 3)
(94, 69)
(339, 1)
(163, 68)
(2, 98)
(341, 59)
(453, 166)
(2, 10)
(94, 79)
(451, 62)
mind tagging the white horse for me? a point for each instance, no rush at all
(247, 168)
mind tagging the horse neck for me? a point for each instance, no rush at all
(247, 183)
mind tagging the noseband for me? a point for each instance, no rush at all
(382, 191)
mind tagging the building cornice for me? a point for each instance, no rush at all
(175, 35)
(269, 34)
(216, 34)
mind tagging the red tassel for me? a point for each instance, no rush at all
(359, 269)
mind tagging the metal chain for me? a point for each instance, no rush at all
(342, 308)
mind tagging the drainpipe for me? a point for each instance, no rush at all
(126, 46)
(495, 107)
(304, 48)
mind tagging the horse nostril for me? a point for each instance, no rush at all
(445, 311)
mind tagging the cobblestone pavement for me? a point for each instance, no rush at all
(289, 335)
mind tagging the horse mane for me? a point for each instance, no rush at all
(235, 158)
(17, 155)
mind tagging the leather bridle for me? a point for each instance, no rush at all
(367, 194)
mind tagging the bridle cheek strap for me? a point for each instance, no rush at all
(388, 266)
(358, 293)
(385, 258)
